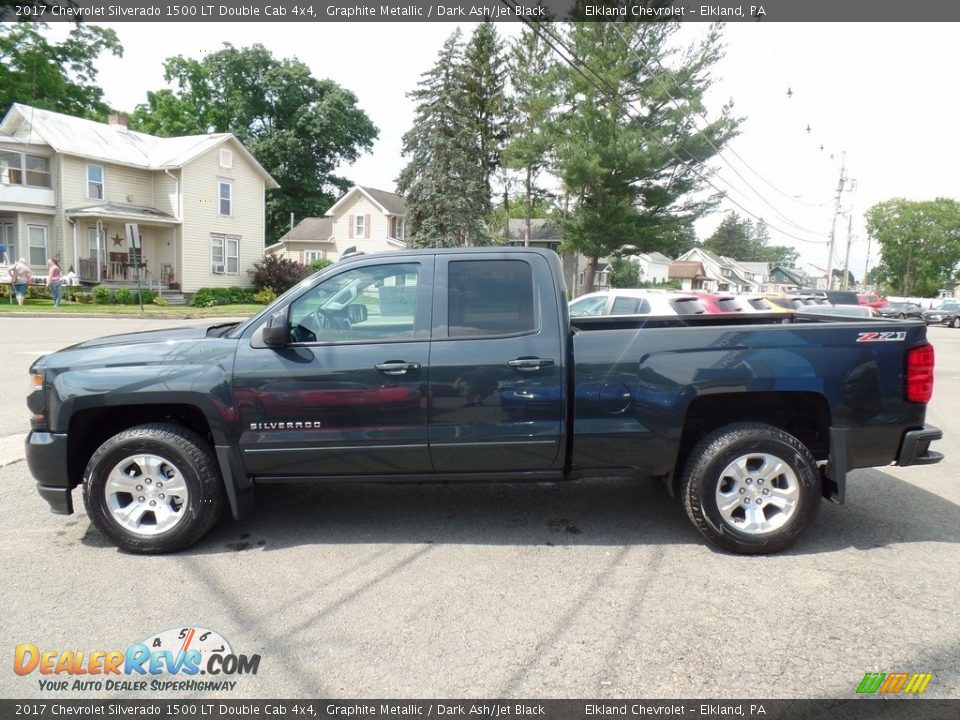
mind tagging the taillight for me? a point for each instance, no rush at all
(920, 374)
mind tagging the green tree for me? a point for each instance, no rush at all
(624, 273)
(542, 206)
(738, 238)
(627, 149)
(484, 74)
(532, 74)
(54, 76)
(919, 243)
(299, 128)
(734, 237)
(443, 183)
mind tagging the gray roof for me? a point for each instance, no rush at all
(114, 143)
(541, 229)
(393, 203)
(658, 257)
(312, 229)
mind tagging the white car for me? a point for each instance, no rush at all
(622, 301)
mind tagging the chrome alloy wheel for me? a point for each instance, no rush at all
(146, 494)
(757, 493)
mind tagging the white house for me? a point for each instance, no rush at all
(723, 274)
(367, 219)
(110, 202)
(654, 267)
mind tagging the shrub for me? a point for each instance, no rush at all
(146, 297)
(122, 296)
(84, 298)
(278, 273)
(160, 301)
(102, 295)
(38, 292)
(208, 297)
(318, 265)
(265, 296)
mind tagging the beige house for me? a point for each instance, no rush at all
(111, 203)
(364, 218)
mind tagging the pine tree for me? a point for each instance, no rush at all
(533, 76)
(631, 159)
(443, 182)
(484, 84)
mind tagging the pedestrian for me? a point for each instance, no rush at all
(54, 280)
(20, 277)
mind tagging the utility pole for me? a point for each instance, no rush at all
(866, 263)
(846, 258)
(836, 211)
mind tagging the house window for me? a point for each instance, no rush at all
(95, 182)
(226, 159)
(396, 228)
(225, 196)
(37, 236)
(24, 169)
(38, 170)
(310, 255)
(93, 242)
(225, 254)
(358, 226)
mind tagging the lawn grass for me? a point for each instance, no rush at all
(45, 307)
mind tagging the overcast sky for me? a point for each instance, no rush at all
(880, 92)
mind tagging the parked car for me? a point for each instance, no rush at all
(900, 310)
(718, 302)
(760, 304)
(857, 311)
(873, 300)
(944, 313)
(625, 301)
(795, 302)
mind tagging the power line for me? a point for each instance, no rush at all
(579, 66)
(689, 114)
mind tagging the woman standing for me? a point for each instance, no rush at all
(20, 277)
(54, 280)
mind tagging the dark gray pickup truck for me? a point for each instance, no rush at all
(461, 365)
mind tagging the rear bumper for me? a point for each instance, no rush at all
(915, 447)
(46, 455)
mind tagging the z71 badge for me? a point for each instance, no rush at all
(881, 336)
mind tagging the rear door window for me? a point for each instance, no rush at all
(625, 305)
(689, 306)
(490, 298)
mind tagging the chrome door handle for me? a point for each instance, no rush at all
(396, 367)
(529, 364)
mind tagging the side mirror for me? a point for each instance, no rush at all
(276, 330)
(356, 313)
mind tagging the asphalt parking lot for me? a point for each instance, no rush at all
(592, 590)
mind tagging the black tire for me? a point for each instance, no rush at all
(955, 323)
(705, 483)
(901, 316)
(177, 456)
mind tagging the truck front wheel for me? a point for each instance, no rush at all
(153, 489)
(751, 488)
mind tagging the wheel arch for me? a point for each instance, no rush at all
(805, 415)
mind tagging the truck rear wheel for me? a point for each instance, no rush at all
(153, 489)
(751, 488)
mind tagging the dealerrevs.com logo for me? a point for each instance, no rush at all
(180, 659)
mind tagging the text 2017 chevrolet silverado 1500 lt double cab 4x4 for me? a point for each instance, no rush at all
(458, 365)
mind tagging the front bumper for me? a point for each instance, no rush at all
(915, 447)
(46, 455)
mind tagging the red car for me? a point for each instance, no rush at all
(718, 302)
(872, 300)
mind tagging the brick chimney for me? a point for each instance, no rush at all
(118, 119)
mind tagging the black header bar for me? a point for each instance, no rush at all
(102, 11)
